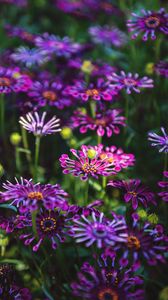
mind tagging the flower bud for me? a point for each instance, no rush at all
(142, 214)
(149, 68)
(91, 153)
(87, 67)
(66, 133)
(15, 138)
(153, 218)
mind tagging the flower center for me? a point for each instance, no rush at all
(99, 231)
(88, 168)
(108, 294)
(130, 82)
(35, 196)
(152, 22)
(133, 242)
(49, 95)
(101, 122)
(92, 92)
(48, 224)
(133, 193)
(4, 81)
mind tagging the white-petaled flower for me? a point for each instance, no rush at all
(36, 124)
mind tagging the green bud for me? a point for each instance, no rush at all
(1, 170)
(153, 218)
(15, 138)
(142, 214)
(66, 133)
(91, 153)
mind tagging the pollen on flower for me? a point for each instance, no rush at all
(108, 293)
(48, 224)
(4, 81)
(152, 22)
(35, 196)
(133, 242)
(92, 92)
(50, 95)
(89, 168)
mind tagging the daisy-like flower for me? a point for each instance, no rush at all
(29, 57)
(87, 163)
(108, 282)
(96, 91)
(14, 222)
(159, 141)
(145, 242)
(107, 35)
(116, 156)
(149, 24)
(134, 192)
(129, 82)
(105, 123)
(99, 230)
(14, 31)
(162, 68)
(50, 225)
(37, 125)
(51, 44)
(28, 196)
(164, 184)
(51, 93)
(12, 80)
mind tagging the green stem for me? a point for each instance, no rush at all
(86, 192)
(25, 143)
(33, 215)
(157, 48)
(18, 162)
(93, 108)
(2, 113)
(36, 159)
(99, 139)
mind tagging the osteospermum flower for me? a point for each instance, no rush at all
(96, 91)
(37, 125)
(50, 225)
(162, 68)
(149, 24)
(14, 222)
(87, 163)
(105, 123)
(164, 184)
(134, 192)
(29, 57)
(48, 92)
(129, 82)
(108, 282)
(28, 196)
(51, 44)
(107, 35)
(99, 230)
(12, 80)
(159, 141)
(14, 292)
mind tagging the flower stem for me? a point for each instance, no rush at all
(2, 113)
(18, 162)
(99, 139)
(157, 48)
(93, 108)
(36, 160)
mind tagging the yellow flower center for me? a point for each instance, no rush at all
(108, 294)
(48, 224)
(4, 81)
(133, 193)
(92, 92)
(133, 242)
(88, 168)
(35, 196)
(50, 95)
(152, 22)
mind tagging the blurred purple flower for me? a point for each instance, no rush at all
(164, 184)
(15, 222)
(35, 123)
(162, 68)
(159, 141)
(14, 292)
(29, 57)
(134, 192)
(149, 24)
(21, 3)
(14, 31)
(129, 82)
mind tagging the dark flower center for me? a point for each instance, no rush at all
(92, 92)
(133, 242)
(152, 22)
(48, 224)
(50, 95)
(4, 81)
(99, 231)
(130, 82)
(88, 168)
(35, 196)
(108, 294)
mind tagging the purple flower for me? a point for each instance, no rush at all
(50, 225)
(87, 210)
(51, 44)
(12, 80)
(164, 184)
(29, 57)
(99, 230)
(162, 68)
(15, 222)
(129, 82)
(87, 164)
(149, 24)
(96, 91)
(134, 192)
(36, 124)
(105, 123)
(51, 93)
(14, 31)
(29, 196)
(107, 36)
(108, 282)
(14, 292)
(159, 141)
(15, 2)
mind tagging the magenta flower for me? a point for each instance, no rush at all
(48, 92)
(105, 123)
(159, 141)
(96, 91)
(163, 185)
(129, 82)
(149, 24)
(162, 68)
(28, 196)
(134, 192)
(36, 124)
(12, 80)
(99, 230)
(14, 221)
(87, 163)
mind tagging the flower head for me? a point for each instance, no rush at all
(29, 196)
(162, 68)
(129, 82)
(134, 192)
(86, 165)
(105, 123)
(14, 221)
(159, 141)
(164, 184)
(149, 24)
(99, 230)
(14, 31)
(36, 124)
(29, 57)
